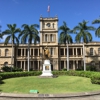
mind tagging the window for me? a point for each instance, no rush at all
(46, 38)
(51, 51)
(99, 51)
(91, 51)
(6, 52)
(51, 37)
(19, 52)
(35, 52)
(6, 64)
(61, 51)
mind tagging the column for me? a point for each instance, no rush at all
(64, 51)
(73, 52)
(30, 52)
(24, 52)
(38, 51)
(64, 64)
(38, 65)
(73, 65)
(33, 51)
(21, 52)
(77, 64)
(24, 65)
(76, 51)
(21, 64)
(81, 52)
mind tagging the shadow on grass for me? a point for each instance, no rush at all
(2, 82)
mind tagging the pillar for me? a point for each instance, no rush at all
(73, 65)
(76, 51)
(73, 52)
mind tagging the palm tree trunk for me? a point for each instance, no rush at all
(12, 56)
(28, 55)
(84, 57)
(67, 57)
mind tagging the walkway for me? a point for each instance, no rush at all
(73, 96)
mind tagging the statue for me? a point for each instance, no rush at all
(46, 53)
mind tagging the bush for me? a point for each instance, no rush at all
(91, 68)
(6, 69)
(0, 79)
(6, 75)
(9, 69)
(95, 78)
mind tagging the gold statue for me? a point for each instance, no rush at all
(46, 53)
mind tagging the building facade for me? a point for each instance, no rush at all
(58, 52)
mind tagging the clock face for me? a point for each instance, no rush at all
(48, 24)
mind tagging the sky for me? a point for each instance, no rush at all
(29, 12)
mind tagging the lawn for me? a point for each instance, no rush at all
(61, 84)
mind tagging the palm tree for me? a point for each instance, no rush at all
(30, 34)
(11, 35)
(97, 32)
(65, 38)
(84, 35)
(0, 33)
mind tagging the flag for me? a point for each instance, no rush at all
(48, 10)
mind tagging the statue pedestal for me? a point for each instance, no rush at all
(46, 69)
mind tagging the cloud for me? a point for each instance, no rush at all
(78, 14)
(15, 1)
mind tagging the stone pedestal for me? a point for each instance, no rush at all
(47, 69)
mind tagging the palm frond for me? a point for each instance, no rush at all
(97, 21)
(6, 32)
(97, 32)
(7, 40)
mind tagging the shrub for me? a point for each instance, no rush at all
(9, 69)
(95, 78)
(6, 69)
(6, 75)
(0, 79)
(91, 68)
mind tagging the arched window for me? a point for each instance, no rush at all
(6, 52)
(99, 51)
(5, 63)
(91, 51)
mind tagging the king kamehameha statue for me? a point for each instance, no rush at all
(46, 66)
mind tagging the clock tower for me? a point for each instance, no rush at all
(49, 38)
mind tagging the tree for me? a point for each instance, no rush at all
(83, 35)
(29, 34)
(65, 38)
(0, 33)
(97, 32)
(11, 35)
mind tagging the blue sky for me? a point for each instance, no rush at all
(29, 12)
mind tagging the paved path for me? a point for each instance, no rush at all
(73, 96)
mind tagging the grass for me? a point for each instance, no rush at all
(61, 84)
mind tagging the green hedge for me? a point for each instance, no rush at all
(6, 75)
(94, 76)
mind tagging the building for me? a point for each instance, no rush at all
(49, 38)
